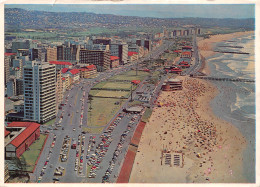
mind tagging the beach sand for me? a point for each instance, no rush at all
(186, 123)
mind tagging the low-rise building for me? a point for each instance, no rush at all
(19, 136)
(75, 75)
(186, 54)
(172, 85)
(114, 61)
(132, 56)
(88, 72)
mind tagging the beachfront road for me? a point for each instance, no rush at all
(69, 119)
(197, 64)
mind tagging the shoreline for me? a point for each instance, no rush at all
(222, 164)
(206, 46)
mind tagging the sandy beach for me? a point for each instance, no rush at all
(212, 149)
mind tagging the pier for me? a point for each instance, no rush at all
(230, 46)
(224, 79)
(232, 52)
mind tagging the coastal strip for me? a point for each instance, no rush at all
(211, 148)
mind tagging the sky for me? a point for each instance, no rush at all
(149, 10)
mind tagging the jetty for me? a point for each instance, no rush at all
(224, 79)
(234, 52)
(230, 46)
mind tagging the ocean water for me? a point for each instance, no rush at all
(236, 101)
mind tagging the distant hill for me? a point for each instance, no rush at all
(16, 18)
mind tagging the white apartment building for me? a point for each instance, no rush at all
(39, 91)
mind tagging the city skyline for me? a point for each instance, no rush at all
(151, 10)
(102, 98)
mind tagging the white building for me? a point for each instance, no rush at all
(39, 91)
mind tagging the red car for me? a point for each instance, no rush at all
(77, 155)
(45, 163)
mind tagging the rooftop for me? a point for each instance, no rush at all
(7, 132)
(74, 71)
(186, 53)
(30, 127)
(64, 70)
(10, 54)
(131, 53)
(60, 63)
(114, 57)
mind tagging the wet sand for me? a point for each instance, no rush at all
(186, 123)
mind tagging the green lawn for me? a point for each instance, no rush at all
(51, 122)
(147, 115)
(114, 85)
(130, 75)
(107, 93)
(31, 156)
(103, 109)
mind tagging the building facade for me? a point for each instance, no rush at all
(39, 91)
(101, 59)
(51, 54)
(59, 90)
(6, 69)
(114, 61)
(88, 71)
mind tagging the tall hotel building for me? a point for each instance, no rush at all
(39, 91)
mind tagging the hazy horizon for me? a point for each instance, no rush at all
(239, 11)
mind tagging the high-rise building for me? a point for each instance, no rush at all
(120, 50)
(68, 52)
(60, 53)
(147, 44)
(38, 54)
(51, 54)
(101, 59)
(39, 91)
(6, 69)
(24, 44)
